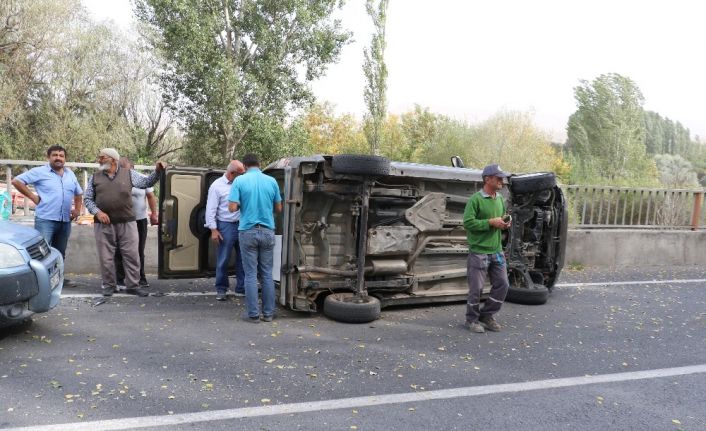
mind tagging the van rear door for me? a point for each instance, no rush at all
(184, 249)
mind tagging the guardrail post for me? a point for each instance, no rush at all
(696, 214)
(8, 177)
(25, 199)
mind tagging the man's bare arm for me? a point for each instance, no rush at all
(22, 188)
(78, 206)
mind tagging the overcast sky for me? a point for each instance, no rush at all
(469, 59)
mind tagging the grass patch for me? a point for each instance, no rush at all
(576, 266)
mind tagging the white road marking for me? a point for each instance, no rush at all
(367, 401)
(125, 295)
(595, 284)
(631, 283)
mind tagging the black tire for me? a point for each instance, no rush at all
(343, 308)
(197, 222)
(530, 183)
(358, 164)
(538, 294)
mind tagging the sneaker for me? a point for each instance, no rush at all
(490, 323)
(221, 296)
(144, 283)
(136, 292)
(241, 294)
(267, 318)
(247, 318)
(106, 291)
(474, 327)
(121, 287)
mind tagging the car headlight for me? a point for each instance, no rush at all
(10, 256)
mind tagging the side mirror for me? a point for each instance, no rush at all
(457, 162)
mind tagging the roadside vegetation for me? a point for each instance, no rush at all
(198, 84)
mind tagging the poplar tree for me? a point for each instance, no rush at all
(375, 72)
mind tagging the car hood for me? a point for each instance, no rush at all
(16, 234)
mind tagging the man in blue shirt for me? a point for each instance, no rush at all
(56, 187)
(257, 196)
(224, 230)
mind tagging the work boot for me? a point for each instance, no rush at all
(107, 291)
(474, 327)
(490, 323)
(221, 296)
(247, 318)
(136, 292)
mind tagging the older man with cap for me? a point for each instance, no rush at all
(484, 220)
(224, 230)
(108, 196)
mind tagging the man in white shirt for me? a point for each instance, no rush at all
(224, 230)
(140, 199)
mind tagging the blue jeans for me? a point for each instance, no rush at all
(257, 247)
(229, 232)
(55, 232)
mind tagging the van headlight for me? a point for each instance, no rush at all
(10, 256)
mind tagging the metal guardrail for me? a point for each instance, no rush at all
(590, 206)
(643, 208)
(7, 167)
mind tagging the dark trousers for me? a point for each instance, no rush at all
(141, 240)
(478, 266)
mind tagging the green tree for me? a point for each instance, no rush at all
(328, 133)
(606, 135)
(234, 65)
(375, 71)
(67, 80)
(675, 171)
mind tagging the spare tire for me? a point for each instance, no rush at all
(537, 294)
(345, 307)
(529, 183)
(359, 164)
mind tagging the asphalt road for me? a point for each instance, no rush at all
(184, 361)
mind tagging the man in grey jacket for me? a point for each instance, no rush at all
(108, 197)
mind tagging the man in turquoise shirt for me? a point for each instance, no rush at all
(484, 222)
(257, 197)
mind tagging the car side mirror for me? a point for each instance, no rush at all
(457, 162)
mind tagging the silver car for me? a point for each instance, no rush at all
(31, 274)
(359, 233)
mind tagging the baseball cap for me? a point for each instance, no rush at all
(494, 171)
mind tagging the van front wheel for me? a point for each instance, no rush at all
(347, 308)
(359, 164)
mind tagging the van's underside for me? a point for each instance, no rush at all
(416, 249)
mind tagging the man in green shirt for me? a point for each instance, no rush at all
(483, 221)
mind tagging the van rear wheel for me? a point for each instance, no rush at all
(347, 308)
(530, 183)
